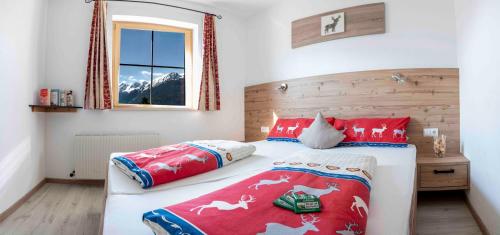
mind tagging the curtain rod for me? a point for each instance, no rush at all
(160, 4)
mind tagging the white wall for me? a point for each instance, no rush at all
(478, 37)
(22, 45)
(67, 44)
(418, 34)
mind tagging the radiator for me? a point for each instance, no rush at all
(91, 152)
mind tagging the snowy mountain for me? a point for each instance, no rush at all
(166, 90)
(133, 87)
(166, 78)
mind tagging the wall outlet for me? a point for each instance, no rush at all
(264, 129)
(431, 132)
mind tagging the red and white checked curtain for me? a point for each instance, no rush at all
(97, 88)
(209, 89)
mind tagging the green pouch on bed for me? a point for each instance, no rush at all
(283, 204)
(299, 203)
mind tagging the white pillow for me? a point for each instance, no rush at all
(321, 135)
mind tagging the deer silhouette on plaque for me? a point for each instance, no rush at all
(333, 25)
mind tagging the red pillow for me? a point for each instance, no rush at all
(289, 129)
(389, 132)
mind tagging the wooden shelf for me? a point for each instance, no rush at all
(54, 109)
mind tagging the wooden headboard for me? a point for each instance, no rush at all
(430, 97)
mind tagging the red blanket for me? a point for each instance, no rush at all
(247, 207)
(169, 163)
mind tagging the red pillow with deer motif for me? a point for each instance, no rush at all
(384, 132)
(289, 129)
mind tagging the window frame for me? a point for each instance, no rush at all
(188, 65)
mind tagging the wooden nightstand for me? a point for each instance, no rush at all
(448, 173)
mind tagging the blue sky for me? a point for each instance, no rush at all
(136, 49)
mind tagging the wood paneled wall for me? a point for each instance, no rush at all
(430, 98)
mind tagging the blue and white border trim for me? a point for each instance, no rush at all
(372, 144)
(134, 171)
(163, 221)
(283, 139)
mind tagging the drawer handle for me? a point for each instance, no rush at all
(450, 171)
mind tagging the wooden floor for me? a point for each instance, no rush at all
(444, 213)
(58, 209)
(75, 209)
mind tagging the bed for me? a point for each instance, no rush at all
(390, 203)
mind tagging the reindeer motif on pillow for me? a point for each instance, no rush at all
(289, 129)
(386, 132)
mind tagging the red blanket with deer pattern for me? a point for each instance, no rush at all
(165, 164)
(341, 181)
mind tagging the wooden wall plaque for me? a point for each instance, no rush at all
(430, 97)
(359, 20)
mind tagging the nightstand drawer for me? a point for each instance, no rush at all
(435, 176)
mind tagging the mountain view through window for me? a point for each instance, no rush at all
(152, 66)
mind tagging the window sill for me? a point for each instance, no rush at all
(152, 108)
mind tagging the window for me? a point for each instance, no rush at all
(152, 66)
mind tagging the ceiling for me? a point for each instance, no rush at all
(245, 8)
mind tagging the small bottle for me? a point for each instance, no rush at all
(44, 96)
(54, 97)
(62, 98)
(69, 98)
